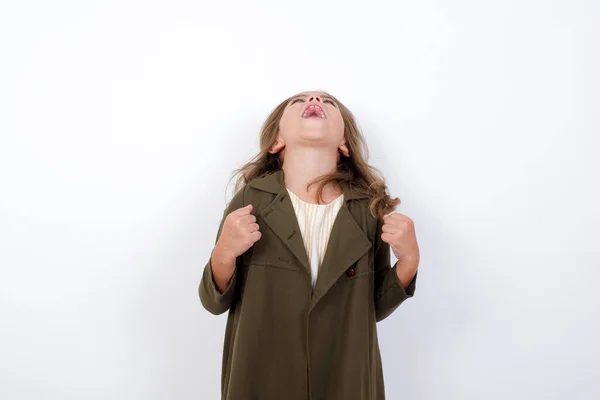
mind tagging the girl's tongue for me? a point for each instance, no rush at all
(312, 112)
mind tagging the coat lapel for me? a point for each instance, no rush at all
(280, 216)
(347, 244)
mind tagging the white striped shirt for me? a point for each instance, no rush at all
(316, 221)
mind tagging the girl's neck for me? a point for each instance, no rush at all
(303, 165)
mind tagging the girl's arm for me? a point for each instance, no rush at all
(218, 284)
(389, 291)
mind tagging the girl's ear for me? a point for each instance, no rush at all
(343, 148)
(276, 147)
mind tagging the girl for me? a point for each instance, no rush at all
(302, 261)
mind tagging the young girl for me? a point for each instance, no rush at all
(302, 261)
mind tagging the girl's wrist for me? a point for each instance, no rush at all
(222, 256)
(406, 273)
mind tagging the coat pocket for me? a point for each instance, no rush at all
(277, 262)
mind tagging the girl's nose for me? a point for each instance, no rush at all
(315, 98)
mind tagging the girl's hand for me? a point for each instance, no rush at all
(240, 232)
(399, 233)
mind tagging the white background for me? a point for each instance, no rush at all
(121, 122)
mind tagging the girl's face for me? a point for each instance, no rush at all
(311, 118)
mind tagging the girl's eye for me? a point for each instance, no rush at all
(296, 100)
(329, 101)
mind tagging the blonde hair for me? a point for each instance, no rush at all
(354, 170)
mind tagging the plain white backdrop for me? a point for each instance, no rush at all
(122, 121)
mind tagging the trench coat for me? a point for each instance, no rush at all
(285, 340)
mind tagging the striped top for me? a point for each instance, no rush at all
(316, 221)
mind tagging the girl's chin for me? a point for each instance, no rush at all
(314, 136)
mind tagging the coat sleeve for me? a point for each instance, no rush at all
(389, 293)
(213, 300)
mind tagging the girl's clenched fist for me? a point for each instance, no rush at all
(240, 231)
(399, 233)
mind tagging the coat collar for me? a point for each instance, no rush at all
(347, 242)
(273, 183)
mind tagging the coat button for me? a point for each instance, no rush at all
(350, 272)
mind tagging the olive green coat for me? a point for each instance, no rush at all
(286, 341)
